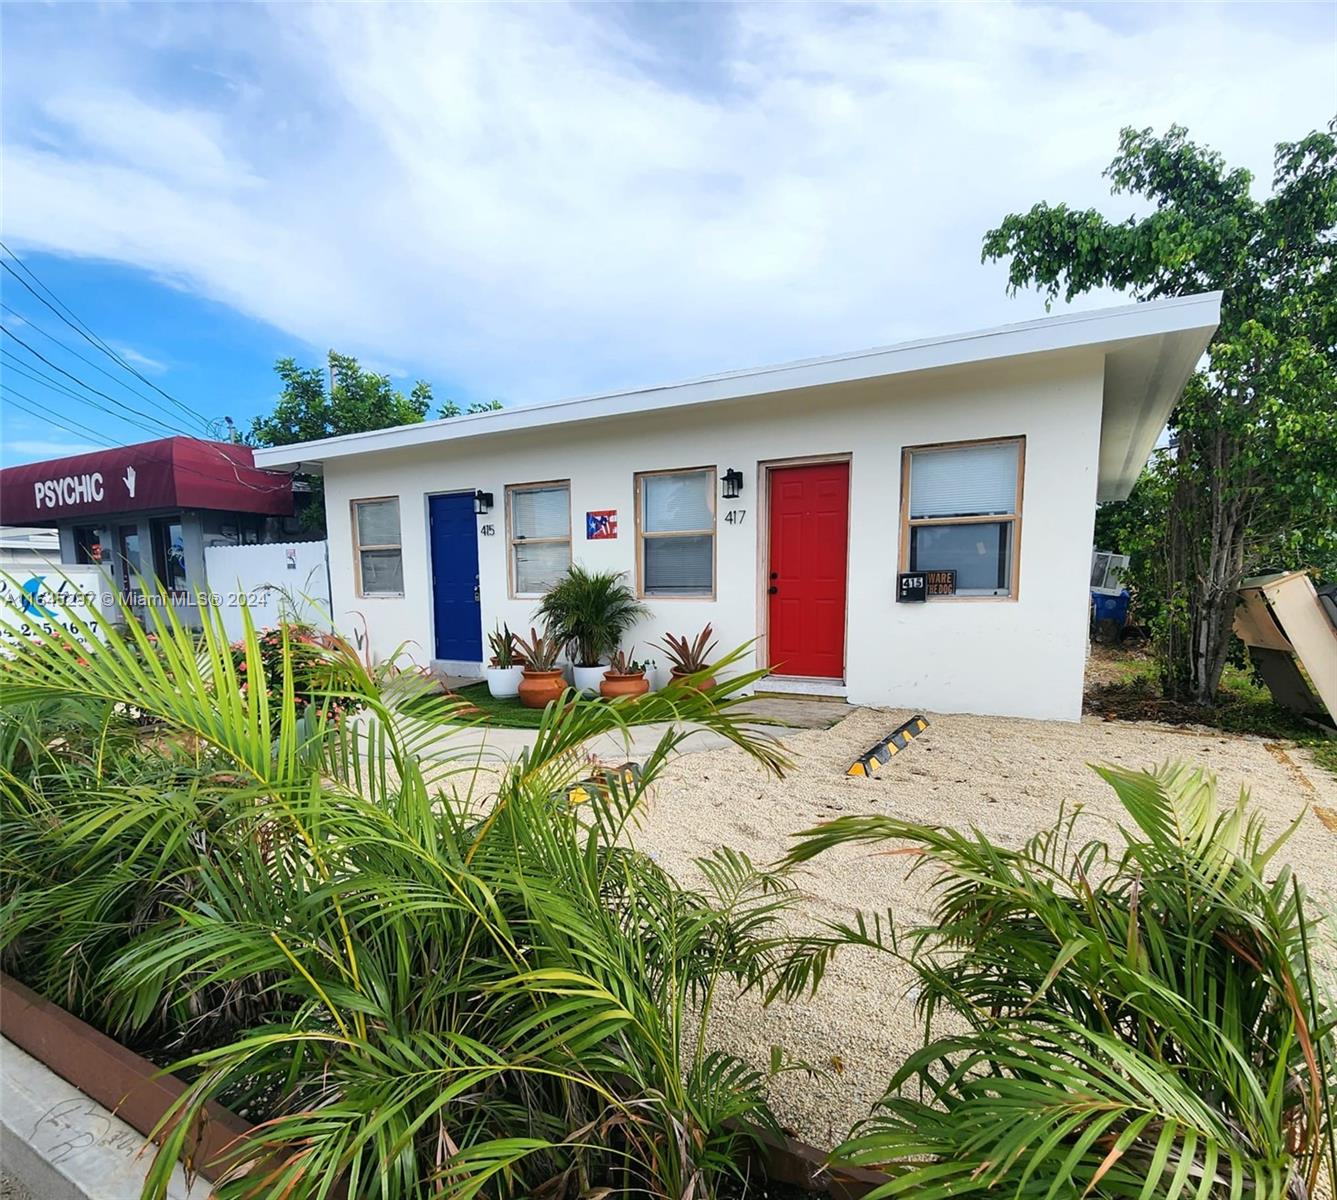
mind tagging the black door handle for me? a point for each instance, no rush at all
(775, 574)
(771, 591)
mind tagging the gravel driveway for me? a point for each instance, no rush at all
(1005, 776)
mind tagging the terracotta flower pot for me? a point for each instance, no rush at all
(702, 684)
(538, 689)
(615, 685)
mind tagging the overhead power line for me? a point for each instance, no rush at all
(133, 414)
(54, 385)
(67, 315)
(28, 323)
(136, 418)
(33, 409)
(27, 404)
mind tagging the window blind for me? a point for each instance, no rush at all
(541, 513)
(539, 565)
(378, 522)
(679, 566)
(382, 572)
(964, 481)
(676, 502)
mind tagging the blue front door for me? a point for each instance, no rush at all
(458, 615)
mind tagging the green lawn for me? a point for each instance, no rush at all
(506, 714)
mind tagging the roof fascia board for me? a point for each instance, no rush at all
(1101, 327)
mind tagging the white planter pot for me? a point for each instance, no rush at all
(588, 679)
(504, 682)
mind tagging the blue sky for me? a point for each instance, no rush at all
(536, 201)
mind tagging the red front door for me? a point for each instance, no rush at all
(809, 528)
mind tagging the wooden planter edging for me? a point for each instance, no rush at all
(117, 1078)
(786, 1160)
(140, 1093)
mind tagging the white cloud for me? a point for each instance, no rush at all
(179, 144)
(539, 201)
(142, 361)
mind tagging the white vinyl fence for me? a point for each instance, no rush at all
(285, 579)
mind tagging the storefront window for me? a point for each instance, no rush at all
(87, 544)
(129, 556)
(169, 554)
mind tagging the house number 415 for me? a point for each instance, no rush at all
(735, 516)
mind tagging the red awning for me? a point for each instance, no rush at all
(177, 472)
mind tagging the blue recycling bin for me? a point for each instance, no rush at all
(1111, 608)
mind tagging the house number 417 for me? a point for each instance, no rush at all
(735, 516)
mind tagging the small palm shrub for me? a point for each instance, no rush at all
(1138, 1020)
(415, 988)
(101, 827)
(590, 611)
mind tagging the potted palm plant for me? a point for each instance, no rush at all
(589, 611)
(624, 677)
(690, 658)
(541, 679)
(504, 664)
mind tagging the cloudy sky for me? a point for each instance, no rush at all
(535, 201)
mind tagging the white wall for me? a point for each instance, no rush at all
(283, 578)
(1022, 657)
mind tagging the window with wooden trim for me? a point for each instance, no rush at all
(378, 555)
(538, 524)
(675, 533)
(961, 511)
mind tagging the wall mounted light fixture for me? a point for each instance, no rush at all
(733, 484)
(482, 502)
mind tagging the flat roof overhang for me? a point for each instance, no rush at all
(1150, 349)
(174, 473)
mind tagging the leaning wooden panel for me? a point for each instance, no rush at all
(1289, 605)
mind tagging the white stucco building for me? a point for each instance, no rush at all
(781, 504)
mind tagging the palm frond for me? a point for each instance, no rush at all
(1142, 1020)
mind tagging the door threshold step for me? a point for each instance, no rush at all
(808, 688)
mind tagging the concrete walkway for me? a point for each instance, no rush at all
(58, 1144)
(496, 744)
(800, 712)
(790, 712)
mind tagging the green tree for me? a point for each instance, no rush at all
(451, 409)
(349, 399)
(1252, 481)
(357, 401)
